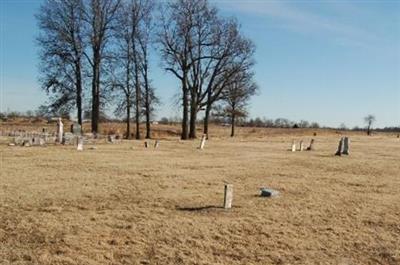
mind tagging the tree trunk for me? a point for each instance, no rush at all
(193, 116)
(185, 134)
(96, 92)
(233, 117)
(138, 99)
(206, 118)
(147, 104)
(128, 118)
(79, 94)
(207, 114)
(148, 127)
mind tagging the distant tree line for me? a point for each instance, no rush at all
(95, 53)
(215, 118)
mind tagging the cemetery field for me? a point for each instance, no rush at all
(124, 204)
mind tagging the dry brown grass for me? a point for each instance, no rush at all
(123, 204)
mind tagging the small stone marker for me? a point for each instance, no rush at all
(301, 147)
(42, 142)
(293, 146)
(156, 144)
(110, 139)
(76, 128)
(203, 141)
(346, 146)
(340, 148)
(60, 130)
(35, 140)
(228, 196)
(265, 192)
(27, 143)
(311, 146)
(79, 146)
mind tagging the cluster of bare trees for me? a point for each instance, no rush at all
(207, 53)
(103, 47)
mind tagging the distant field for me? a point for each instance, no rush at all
(124, 204)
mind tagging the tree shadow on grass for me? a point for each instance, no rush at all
(201, 208)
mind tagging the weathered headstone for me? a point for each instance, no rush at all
(156, 144)
(293, 146)
(346, 146)
(228, 196)
(27, 142)
(301, 146)
(340, 148)
(311, 146)
(203, 141)
(76, 128)
(42, 142)
(111, 139)
(68, 138)
(79, 146)
(35, 140)
(60, 130)
(265, 192)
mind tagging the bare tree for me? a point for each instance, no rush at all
(131, 64)
(100, 16)
(203, 51)
(144, 38)
(369, 120)
(236, 96)
(61, 54)
(175, 43)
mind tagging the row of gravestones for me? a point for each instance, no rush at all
(301, 146)
(343, 147)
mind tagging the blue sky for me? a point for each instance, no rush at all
(331, 62)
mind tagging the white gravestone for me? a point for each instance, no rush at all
(293, 146)
(228, 196)
(203, 141)
(301, 147)
(60, 130)
(79, 146)
(156, 144)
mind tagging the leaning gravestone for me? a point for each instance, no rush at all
(203, 141)
(346, 146)
(228, 196)
(311, 146)
(340, 148)
(156, 144)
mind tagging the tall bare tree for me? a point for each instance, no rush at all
(236, 96)
(175, 42)
(145, 36)
(369, 120)
(100, 16)
(61, 53)
(131, 64)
